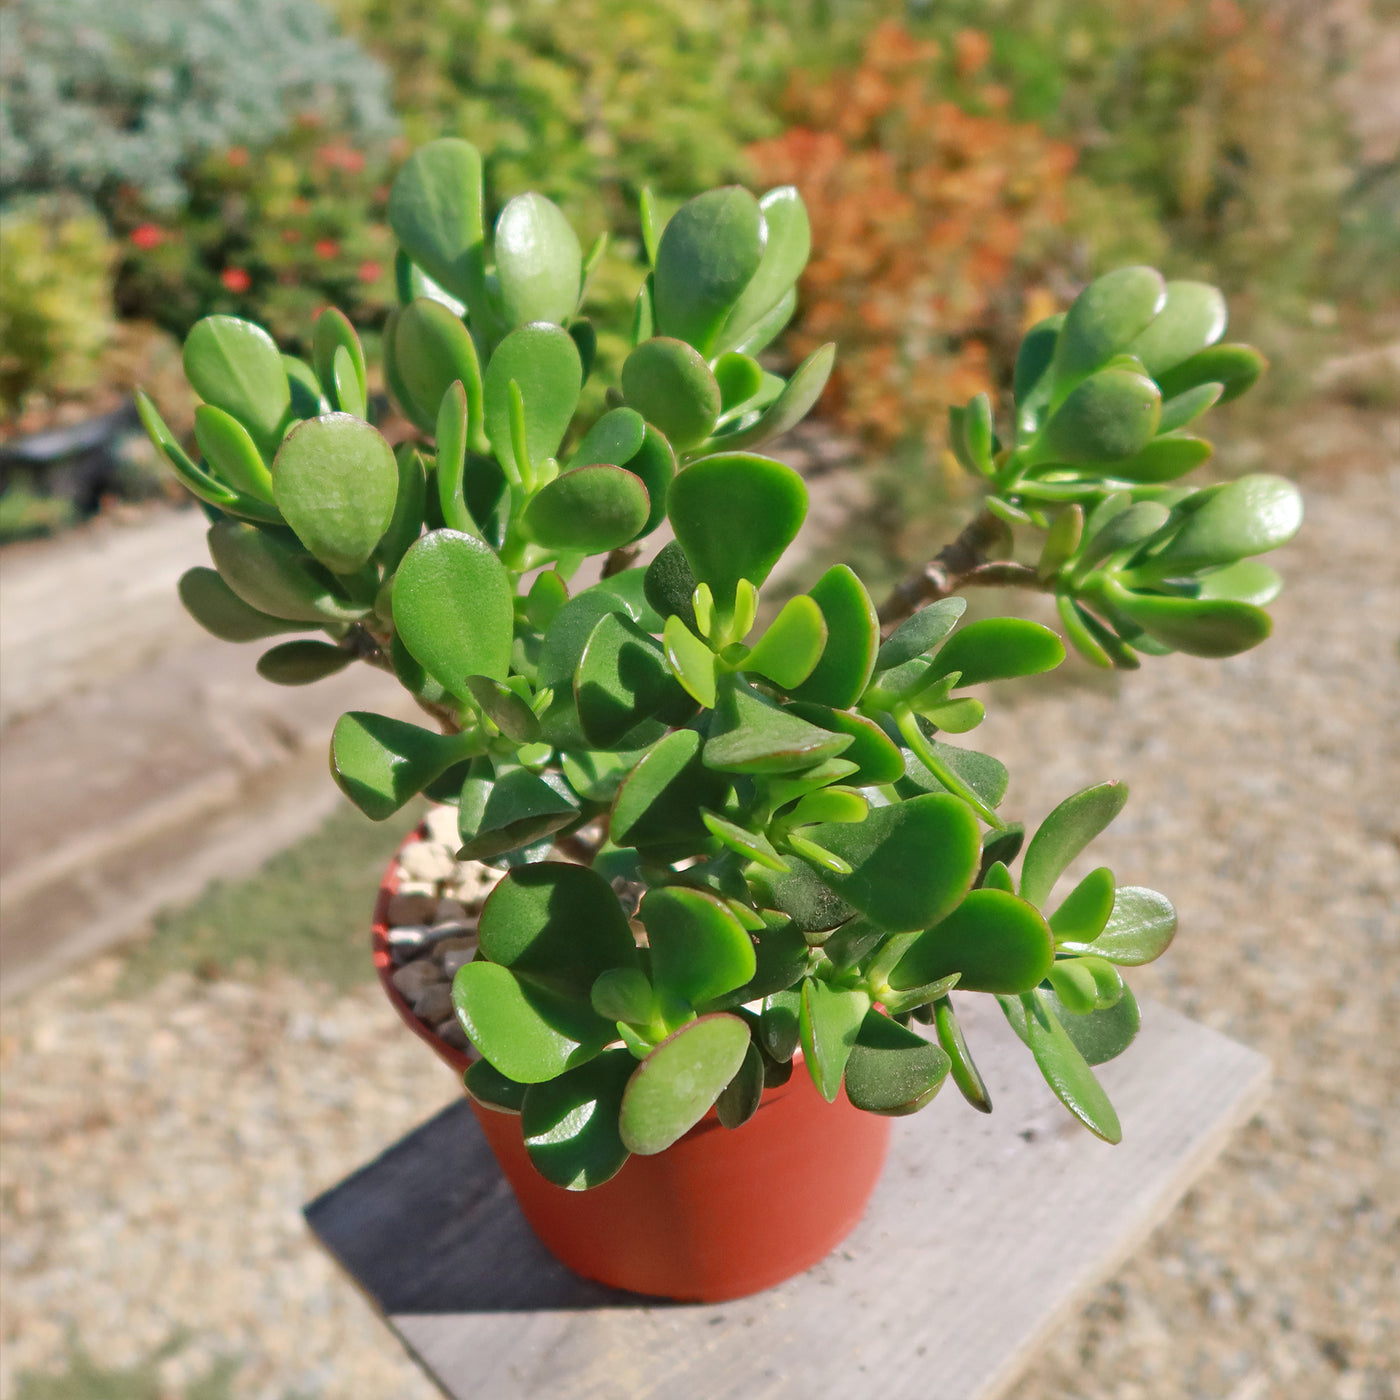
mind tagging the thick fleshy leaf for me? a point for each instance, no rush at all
(1106, 317)
(876, 755)
(488, 1086)
(998, 648)
(520, 809)
(1140, 928)
(630, 587)
(1248, 516)
(671, 386)
(342, 381)
(699, 950)
(302, 662)
(614, 439)
(752, 735)
(985, 775)
(529, 1031)
(1065, 833)
(964, 1070)
(1104, 1033)
(791, 647)
(892, 1070)
(739, 1100)
(1109, 416)
(708, 254)
(1186, 407)
(505, 709)
(1122, 532)
(853, 639)
(236, 366)
(829, 1022)
(270, 575)
(336, 482)
(568, 633)
(654, 464)
(379, 763)
(734, 515)
(1237, 367)
(740, 377)
(1032, 384)
(676, 1085)
(1246, 581)
(557, 921)
(805, 898)
(752, 845)
(221, 612)
(918, 635)
(621, 680)
(798, 398)
(230, 452)
(570, 1123)
(1199, 627)
(1193, 317)
(1067, 1072)
(669, 584)
(779, 1030)
(1165, 458)
(660, 802)
(538, 261)
(785, 253)
(1086, 909)
(911, 864)
(994, 941)
(305, 389)
(588, 510)
(410, 508)
(691, 661)
(454, 608)
(544, 362)
(1082, 634)
(435, 210)
(433, 350)
(767, 330)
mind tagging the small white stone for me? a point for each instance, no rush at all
(441, 825)
(428, 861)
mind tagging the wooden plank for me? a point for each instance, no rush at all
(984, 1232)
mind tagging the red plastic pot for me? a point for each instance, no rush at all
(721, 1213)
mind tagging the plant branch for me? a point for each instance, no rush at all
(964, 563)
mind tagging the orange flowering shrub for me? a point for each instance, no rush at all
(930, 210)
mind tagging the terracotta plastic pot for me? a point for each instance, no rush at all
(720, 1214)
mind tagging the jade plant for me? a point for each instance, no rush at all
(722, 841)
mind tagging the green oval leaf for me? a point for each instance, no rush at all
(699, 950)
(435, 211)
(1065, 833)
(557, 921)
(676, 1085)
(236, 366)
(1140, 928)
(998, 648)
(271, 576)
(1067, 1072)
(431, 351)
(1237, 367)
(739, 1100)
(829, 1021)
(539, 263)
(964, 1070)
(1086, 909)
(544, 361)
(221, 612)
(670, 385)
(379, 763)
(1250, 515)
(1246, 581)
(1165, 458)
(1199, 627)
(454, 608)
(764, 505)
(336, 482)
(230, 452)
(570, 1123)
(707, 255)
(520, 808)
(911, 863)
(621, 680)
(852, 641)
(793, 404)
(789, 650)
(919, 634)
(876, 756)
(589, 509)
(994, 941)
(1106, 317)
(343, 383)
(785, 251)
(660, 802)
(1109, 416)
(1193, 316)
(892, 1070)
(614, 439)
(531, 1033)
(302, 662)
(750, 734)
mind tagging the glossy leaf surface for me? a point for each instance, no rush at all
(785, 251)
(221, 612)
(1111, 415)
(853, 639)
(302, 662)
(661, 800)
(544, 362)
(789, 650)
(570, 1123)
(1065, 833)
(236, 366)
(668, 382)
(435, 210)
(1086, 909)
(998, 648)
(621, 680)
(538, 261)
(919, 634)
(892, 1070)
(1140, 928)
(699, 950)
(432, 350)
(614, 439)
(1193, 317)
(994, 941)
(797, 399)
(1200, 627)
(1068, 1074)
(588, 510)
(1106, 317)
(752, 735)
(379, 763)
(268, 574)
(1249, 515)
(676, 1085)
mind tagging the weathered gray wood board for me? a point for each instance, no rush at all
(983, 1233)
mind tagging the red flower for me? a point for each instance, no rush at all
(147, 236)
(369, 271)
(237, 156)
(236, 279)
(326, 247)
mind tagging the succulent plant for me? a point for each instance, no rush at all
(724, 843)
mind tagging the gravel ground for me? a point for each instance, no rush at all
(158, 1151)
